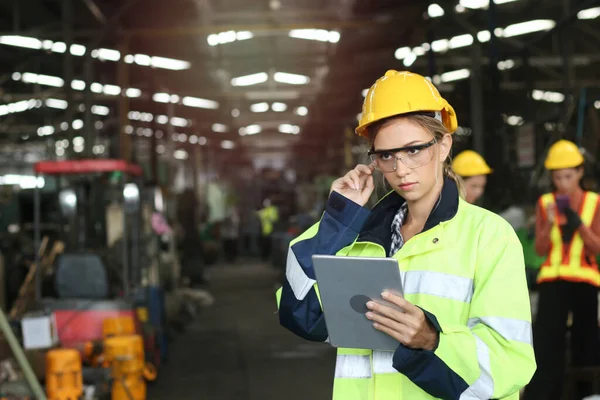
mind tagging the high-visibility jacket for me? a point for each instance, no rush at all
(465, 270)
(268, 217)
(569, 261)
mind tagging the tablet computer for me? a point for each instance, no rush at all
(346, 284)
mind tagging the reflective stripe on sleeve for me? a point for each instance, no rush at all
(296, 277)
(510, 329)
(383, 362)
(353, 366)
(438, 284)
(483, 388)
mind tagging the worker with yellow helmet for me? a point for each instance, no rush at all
(473, 170)
(460, 335)
(568, 235)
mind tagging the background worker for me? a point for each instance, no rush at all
(473, 170)
(269, 216)
(568, 235)
(460, 336)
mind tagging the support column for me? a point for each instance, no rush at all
(476, 95)
(123, 78)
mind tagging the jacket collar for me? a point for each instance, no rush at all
(377, 228)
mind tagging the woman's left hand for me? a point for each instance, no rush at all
(411, 327)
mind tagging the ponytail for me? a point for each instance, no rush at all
(449, 172)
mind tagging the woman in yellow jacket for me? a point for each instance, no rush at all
(466, 331)
(473, 170)
(568, 235)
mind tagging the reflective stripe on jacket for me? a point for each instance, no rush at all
(465, 270)
(569, 261)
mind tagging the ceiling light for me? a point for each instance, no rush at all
(46, 80)
(169, 63)
(112, 90)
(551, 97)
(199, 103)
(160, 149)
(77, 50)
(77, 84)
(523, 28)
(100, 110)
(219, 128)
(440, 45)
(59, 47)
(459, 9)
(302, 111)
(455, 75)
(21, 41)
(227, 144)
(506, 64)
(212, 39)
(402, 52)
(484, 36)
(77, 124)
(162, 119)
(514, 120)
(142, 59)
(259, 107)
(479, 4)
(133, 92)
(180, 154)
(96, 87)
(98, 125)
(161, 97)
(418, 51)
(248, 80)
(292, 79)
(320, 35)
(106, 54)
(244, 35)
(435, 11)
(202, 141)
(597, 105)
(290, 129)
(250, 130)
(278, 107)
(56, 103)
(409, 60)
(193, 139)
(45, 130)
(181, 122)
(129, 59)
(235, 113)
(461, 41)
(590, 13)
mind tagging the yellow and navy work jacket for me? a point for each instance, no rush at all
(465, 270)
(268, 217)
(569, 261)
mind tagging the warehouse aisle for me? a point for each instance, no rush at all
(237, 350)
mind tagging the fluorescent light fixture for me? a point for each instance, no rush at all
(45, 130)
(409, 60)
(129, 58)
(59, 47)
(98, 149)
(134, 115)
(202, 141)
(289, 129)
(146, 117)
(77, 84)
(227, 144)
(226, 37)
(161, 97)
(142, 59)
(24, 181)
(440, 45)
(21, 41)
(169, 63)
(17, 107)
(56, 103)
(162, 119)
(402, 52)
(250, 130)
(418, 51)
(244, 35)
(484, 36)
(178, 121)
(100, 110)
(111, 90)
(133, 92)
(479, 4)
(77, 124)
(551, 97)
(46, 80)
(193, 139)
(212, 39)
(514, 120)
(248, 80)
(455, 75)
(523, 28)
(590, 13)
(106, 54)
(506, 64)
(302, 111)
(278, 107)
(320, 35)
(259, 107)
(77, 50)
(199, 103)
(292, 79)
(96, 87)
(461, 41)
(180, 154)
(216, 127)
(435, 11)
(597, 105)
(182, 137)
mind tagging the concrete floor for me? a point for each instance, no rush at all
(237, 350)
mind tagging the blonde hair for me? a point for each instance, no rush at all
(431, 125)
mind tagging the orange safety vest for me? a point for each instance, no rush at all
(569, 261)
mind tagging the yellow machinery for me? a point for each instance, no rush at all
(129, 371)
(114, 326)
(64, 380)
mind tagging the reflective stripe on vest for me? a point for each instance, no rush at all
(569, 261)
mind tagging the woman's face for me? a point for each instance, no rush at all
(412, 183)
(475, 186)
(567, 180)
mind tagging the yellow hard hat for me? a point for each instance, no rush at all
(563, 154)
(402, 92)
(469, 163)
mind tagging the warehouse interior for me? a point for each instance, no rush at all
(143, 143)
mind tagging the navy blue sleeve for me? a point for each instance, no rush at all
(426, 370)
(299, 308)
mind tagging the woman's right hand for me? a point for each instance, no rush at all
(357, 185)
(550, 213)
